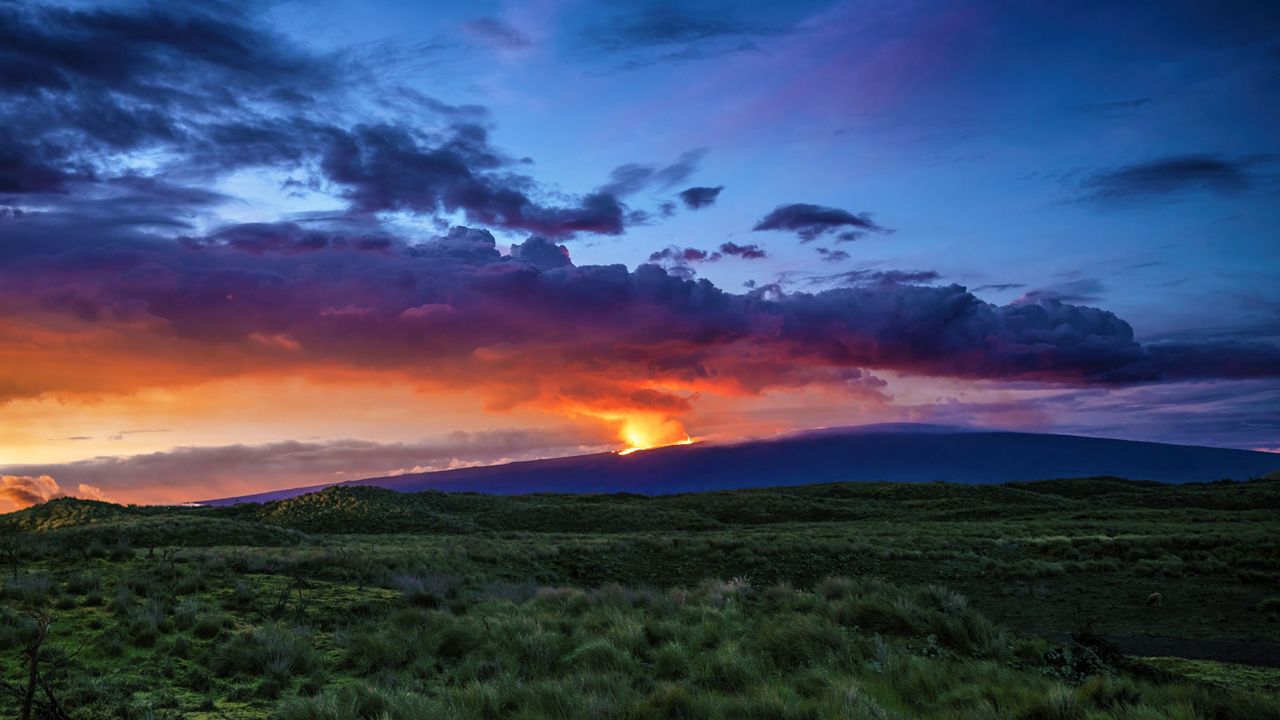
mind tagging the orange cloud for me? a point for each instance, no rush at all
(92, 492)
(19, 491)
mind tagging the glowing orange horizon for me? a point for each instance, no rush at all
(686, 441)
(645, 431)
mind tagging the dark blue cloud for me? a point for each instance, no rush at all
(746, 252)
(696, 198)
(1171, 176)
(810, 222)
(631, 178)
(1080, 291)
(210, 91)
(865, 277)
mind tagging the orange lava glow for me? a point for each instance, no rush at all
(645, 432)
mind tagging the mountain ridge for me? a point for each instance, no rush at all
(890, 453)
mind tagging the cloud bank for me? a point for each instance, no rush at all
(238, 469)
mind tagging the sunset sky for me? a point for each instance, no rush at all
(248, 246)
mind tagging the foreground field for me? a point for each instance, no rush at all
(841, 601)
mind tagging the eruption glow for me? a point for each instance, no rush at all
(644, 432)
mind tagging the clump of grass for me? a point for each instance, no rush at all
(190, 581)
(1269, 606)
(799, 640)
(726, 669)
(29, 589)
(720, 593)
(359, 700)
(145, 623)
(537, 651)
(83, 583)
(601, 654)
(427, 589)
(16, 629)
(112, 643)
(1107, 692)
(274, 651)
(242, 596)
(122, 600)
(200, 619)
(1059, 703)
(671, 661)
(675, 701)
(120, 551)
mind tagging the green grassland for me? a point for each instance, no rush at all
(832, 601)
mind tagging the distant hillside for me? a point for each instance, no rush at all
(373, 510)
(377, 510)
(93, 523)
(888, 453)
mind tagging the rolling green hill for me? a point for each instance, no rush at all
(863, 600)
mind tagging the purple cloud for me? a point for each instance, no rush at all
(746, 252)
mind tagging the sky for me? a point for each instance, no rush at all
(246, 246)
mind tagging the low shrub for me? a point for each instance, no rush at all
(273, 650)
(358, 700)
(29, 589)
(1059, 703)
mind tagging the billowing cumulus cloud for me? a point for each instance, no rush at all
(19, 491)
(33, 487)
(811, 222)
(541, 253)
(92, 492)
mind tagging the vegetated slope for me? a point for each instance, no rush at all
(363, 509)
(769, 606)
(355, 509)
(68, 512)
(1220, 495)
(889, 454)
(367, 509)
(92, 523)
